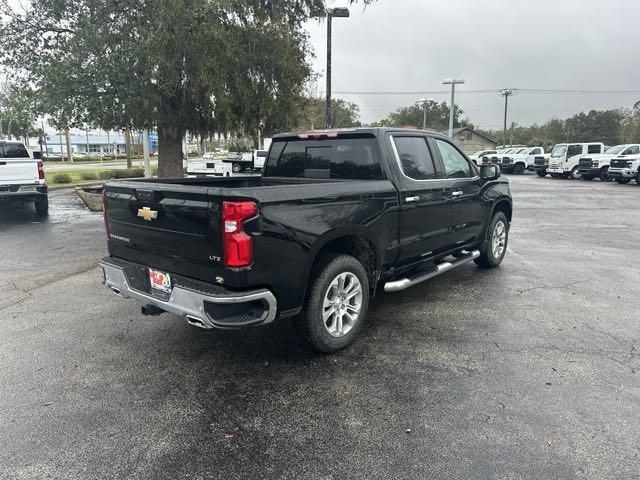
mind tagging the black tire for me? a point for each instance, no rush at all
(575, 173)
(556, 175)
(623, 181)
(487, 258)
(638, 178)
(541, 173)
(42, 206)
(236, 167)
(604, 174)
(518, 169)
(587, 177)
(312, 323)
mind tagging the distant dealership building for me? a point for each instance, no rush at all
(111, 144)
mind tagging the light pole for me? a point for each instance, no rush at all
(339, 13)
(453, 82)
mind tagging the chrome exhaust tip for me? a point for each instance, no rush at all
(198, 322)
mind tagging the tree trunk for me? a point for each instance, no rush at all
(127, 141)
(170, 152)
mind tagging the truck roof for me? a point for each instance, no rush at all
(339, 132)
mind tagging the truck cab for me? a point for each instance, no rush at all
(597, 166)
(22, 177)
(565, 158)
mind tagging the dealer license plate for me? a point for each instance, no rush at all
(160, 280)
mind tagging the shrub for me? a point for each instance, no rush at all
(129, 173)
(89, 176)
(154, 171)
(107, 174)
(61, 178)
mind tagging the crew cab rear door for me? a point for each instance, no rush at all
(16, 165)
(467, 212)
(424, 199)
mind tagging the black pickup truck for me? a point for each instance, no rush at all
(336, 216)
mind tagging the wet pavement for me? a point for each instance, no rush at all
(526, 371)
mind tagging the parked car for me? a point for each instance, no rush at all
(521, 161)
(496, 158)
(597, 166)
(625, 168)
(479, 155)
(22, 177)
(336, 216)
(565, 157)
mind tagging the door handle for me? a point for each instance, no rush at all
(457, 193)
(411, 199)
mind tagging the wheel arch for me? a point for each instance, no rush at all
(357, 242)
(503, 205)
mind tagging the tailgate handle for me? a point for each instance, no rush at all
(411, 199)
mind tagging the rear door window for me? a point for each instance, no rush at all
(594, 148)
(352, 159)
(415, 158)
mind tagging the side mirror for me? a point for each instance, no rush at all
(490, 171)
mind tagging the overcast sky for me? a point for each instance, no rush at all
(411, 45)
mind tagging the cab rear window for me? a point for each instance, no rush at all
(13, 150)
(352, 159)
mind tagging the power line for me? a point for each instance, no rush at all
(493, 91)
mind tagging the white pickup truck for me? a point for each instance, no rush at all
(624, 169)
(523, 160)
(22, 177)
(564, 159)
(597, 166)
(478, 156)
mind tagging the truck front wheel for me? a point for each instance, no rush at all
(337, 303)
(518, 169)
(604, 174)
(541, 173)
(623, 181)
(495, 242)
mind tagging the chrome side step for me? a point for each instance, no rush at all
(402, 283)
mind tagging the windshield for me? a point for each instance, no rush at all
(559, 150)
(522, 150)
(615, 150)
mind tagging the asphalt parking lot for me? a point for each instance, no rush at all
(526, 371)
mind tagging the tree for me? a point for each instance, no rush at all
(345, 114)
(16, 112)
(176, 65)
(437, 116)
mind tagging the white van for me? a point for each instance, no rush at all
(22, 177)
(565, 158)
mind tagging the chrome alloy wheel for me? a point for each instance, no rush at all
(499, 239)
(342, 304)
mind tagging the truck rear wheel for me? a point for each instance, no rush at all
(495, 242)
(337, 303)
(236, 167)
(42, 206)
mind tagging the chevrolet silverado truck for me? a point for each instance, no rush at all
(597, 166)
(335, 217)
(519, 162)
(625, 169)
(22, 178)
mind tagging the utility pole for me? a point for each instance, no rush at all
(511, 134)
(505, 93)
(44, 133)
(86, 133)
(453, 82)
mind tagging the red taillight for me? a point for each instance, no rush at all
(40, 170)
(238, 246)
(105, 214)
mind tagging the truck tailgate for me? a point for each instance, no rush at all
(18, 170)
(171, 227)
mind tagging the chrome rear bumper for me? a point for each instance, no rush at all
(196, 306)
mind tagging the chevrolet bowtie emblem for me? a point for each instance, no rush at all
(147, 214)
